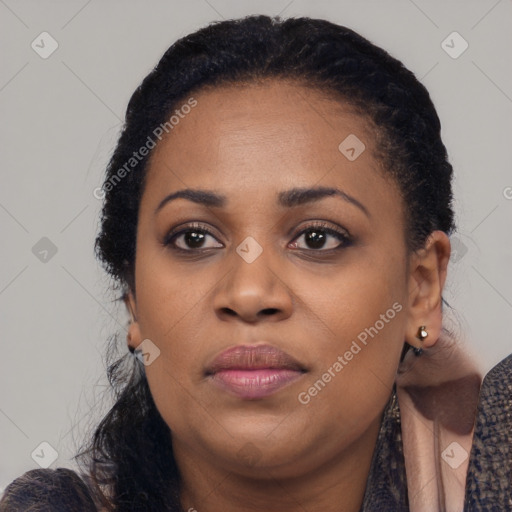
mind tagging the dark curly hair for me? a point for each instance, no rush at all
(130, 459)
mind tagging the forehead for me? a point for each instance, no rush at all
(257, 139)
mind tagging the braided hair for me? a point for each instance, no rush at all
(130, 456)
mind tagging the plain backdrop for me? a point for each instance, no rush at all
(61, 115)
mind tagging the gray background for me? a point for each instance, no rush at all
(60, 119)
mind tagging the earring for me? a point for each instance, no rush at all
(421, 335)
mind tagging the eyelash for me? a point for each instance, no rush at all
(343, 236)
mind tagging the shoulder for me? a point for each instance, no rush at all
(489, 480)
(501, 372)
(495, 404)
(36, 490)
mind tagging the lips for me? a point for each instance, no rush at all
(254, 357)
(254, 384)
(253, 372)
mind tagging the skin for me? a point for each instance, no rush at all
(249, 143)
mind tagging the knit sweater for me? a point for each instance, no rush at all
(489, 475)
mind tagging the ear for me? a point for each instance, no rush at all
(427, 275)
(133, 337)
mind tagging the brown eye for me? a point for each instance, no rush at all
(320, 237)
(193, 237)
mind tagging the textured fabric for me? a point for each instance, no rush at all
(489, 474)
(386, 488)
(489, 479)
(438, 395)
(48, 490)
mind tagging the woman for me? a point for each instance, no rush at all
(277, 213)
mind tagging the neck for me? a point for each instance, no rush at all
(335, 484)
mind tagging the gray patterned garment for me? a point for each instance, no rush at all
(489, 477)
(489, 480)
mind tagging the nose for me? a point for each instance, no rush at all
(253, 291)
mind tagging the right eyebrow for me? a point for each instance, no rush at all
(206, 197)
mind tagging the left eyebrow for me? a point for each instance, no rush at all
(288, 198)
(300, 196)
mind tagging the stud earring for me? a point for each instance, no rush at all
(421, 335)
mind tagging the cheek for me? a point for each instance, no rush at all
(169, 296)
(170, 306)
(348, 301)
(354, 376)
(361, 318)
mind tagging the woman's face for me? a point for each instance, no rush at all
(245, 270)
